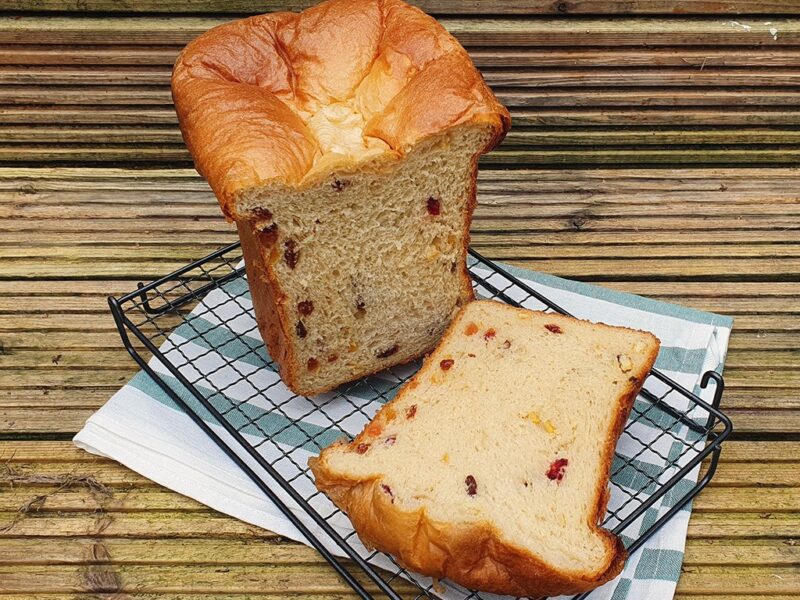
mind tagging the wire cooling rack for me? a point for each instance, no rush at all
(240, 406)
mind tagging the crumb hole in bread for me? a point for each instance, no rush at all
(434, 206)
(305, 307)
(552, 328)
(339, 184)
(333, 358)
(625, 362)
(290, 253)
(411, 411)
(389, 441)
(312, 364)
(557, 469)
(633, 379)
(490, 333)
(352, 347)
(360, 307)
(472, 485)
(471, 329)
(507, 344)
(387, 352)
(471, 355)
(300, 330)
(446, 364)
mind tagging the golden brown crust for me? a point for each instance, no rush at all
(245, 91)
(267, 299)
(473, 555)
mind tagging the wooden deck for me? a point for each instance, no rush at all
(652, 152)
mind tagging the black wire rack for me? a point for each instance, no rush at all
(229, 386)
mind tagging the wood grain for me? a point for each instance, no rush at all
(690, 90)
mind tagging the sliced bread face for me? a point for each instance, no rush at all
(366, 270)
(491, 465)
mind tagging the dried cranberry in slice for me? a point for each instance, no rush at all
(290, 254)
(553, 328)
(312, 364)
(490, 333)
(446, 364)
(471, 329)
(300, 330)
(434, 206)
(306, 307)
(388, 491)
(472, 485)
(362, 447)
(411, 411)
(557, 468)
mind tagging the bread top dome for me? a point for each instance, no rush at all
(285, 99)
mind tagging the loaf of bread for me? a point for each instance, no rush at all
(344, 141)
(491, 465)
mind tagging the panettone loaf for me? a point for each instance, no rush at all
(344, 141)
(491, 465)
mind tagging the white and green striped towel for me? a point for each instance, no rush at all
(143, 429)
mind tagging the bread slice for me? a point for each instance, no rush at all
(344, 141)
(491, 466)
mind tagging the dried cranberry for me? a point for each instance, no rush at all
(362, 447)
(556, 470)
(333, 358)
(434, 206)
(411, 411)
(553, 328)
(268, 235)
(290, 254)
(312, 364)
(389, 441)
(490, 333)
(300, 330)
(261, 213)
(388, 352)
(472, 485)
(471, 329)
(446, 364)
(306, 307)
(388, 491)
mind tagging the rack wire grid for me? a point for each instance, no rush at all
(244, 423)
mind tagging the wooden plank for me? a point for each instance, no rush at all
(522, 76)
(589, 31)
(534, 98)
(121, 54)
(159, 524)
(169, 136)
(513, 7)
(552, 117)
(32, 452)
(712, 500)
(777, 474)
